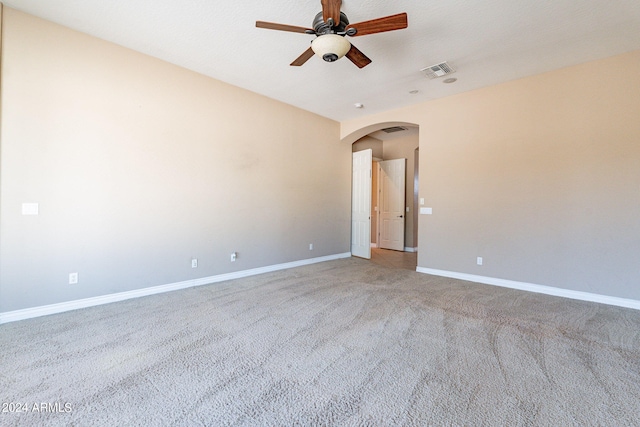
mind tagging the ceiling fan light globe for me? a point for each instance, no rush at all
(330, 47)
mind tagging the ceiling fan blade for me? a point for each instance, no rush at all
(283, 27)
(360, 59)
(331, 9)
(306, 55)
(380, 25)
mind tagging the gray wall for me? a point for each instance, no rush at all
(539, 176)
(139, 165)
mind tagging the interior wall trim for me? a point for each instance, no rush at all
(28, 313)
(531, 287)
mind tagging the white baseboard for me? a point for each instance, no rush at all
(531, 287)
(28, 313)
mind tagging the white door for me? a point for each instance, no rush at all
(361, 204)
(392, 209)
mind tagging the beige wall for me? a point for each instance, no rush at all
(139, 165)
(369, 142)
(539, 176)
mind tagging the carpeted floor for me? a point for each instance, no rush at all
(345, 342)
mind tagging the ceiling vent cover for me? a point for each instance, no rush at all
(394, 129)
(438, 70)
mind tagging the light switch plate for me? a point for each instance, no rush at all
(426, 211)
(30, 209)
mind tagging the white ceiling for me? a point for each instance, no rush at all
(487, 41)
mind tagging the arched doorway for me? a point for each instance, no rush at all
(390, 142)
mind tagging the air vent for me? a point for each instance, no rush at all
(394, 129)
(438, 70)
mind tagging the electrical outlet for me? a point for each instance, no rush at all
(479, 260)
(234, 256)
(310, 246)
(194, 263)
(73, 278)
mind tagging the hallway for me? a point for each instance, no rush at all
(395, 259)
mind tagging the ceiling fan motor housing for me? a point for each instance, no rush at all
(322, 27)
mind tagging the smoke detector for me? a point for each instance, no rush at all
(439, 70)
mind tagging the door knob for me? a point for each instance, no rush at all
(400, 216)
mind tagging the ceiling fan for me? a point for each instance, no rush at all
(331, 26)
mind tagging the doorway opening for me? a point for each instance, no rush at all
(391, 220)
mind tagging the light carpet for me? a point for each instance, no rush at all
(344, 342)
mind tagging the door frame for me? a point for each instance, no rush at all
(352, 134)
